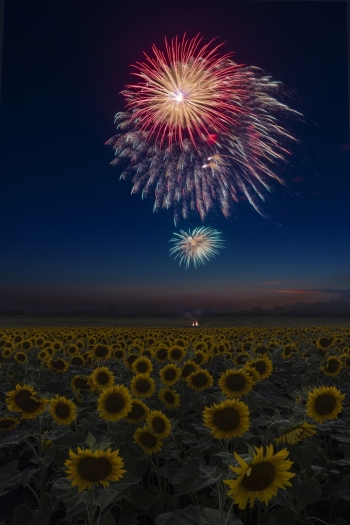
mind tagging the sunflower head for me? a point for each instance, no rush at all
(261, 477)
(170, 374)
(142, 385)
(8, 423)
(23, 399)
(200, 380)
(114, 403)
(333, 366)
(148, 441)
(63, 410)
(102, 378)
(324, 402)
(139, 411)
(176, 353)
(87, 468)
(142, 365)
(170, 398)
(227, 419)
(158, 423)
(21, 357)
(235, 383)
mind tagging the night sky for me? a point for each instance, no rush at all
(72, 235)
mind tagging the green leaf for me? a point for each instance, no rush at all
(305, 492)
(107, 519)
(90, 440)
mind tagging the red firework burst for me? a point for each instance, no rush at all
(187, 91)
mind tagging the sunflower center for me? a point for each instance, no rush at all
(82, 383)
(21, 357)
(261, 476)
(26, 402)
(114, 403)
(260, 366)
(136, 411)
(325, 342)
(235, 382)
(142, 386)
(199, 379)
(176, 354)
(169, 397)
(325, 404)
(119, 353)
(102, 378)
(142, 367)
(226, 419)
(332, 365)
(241, 359)
(58, 363)
(77, 361)
(162, 354)
(187, 370)
(62, 410)
(158, 425)
(101, 351)
(94, 469)
(169, 374)
(148, 440)
(198, 359)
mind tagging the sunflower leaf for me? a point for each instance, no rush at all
(90, 440)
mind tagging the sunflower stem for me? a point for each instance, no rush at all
(41, 470)
(229, 512)
(158, 475)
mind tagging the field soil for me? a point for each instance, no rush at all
(14, 321)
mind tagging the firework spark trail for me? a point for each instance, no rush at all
(198, 247)
(199, 130)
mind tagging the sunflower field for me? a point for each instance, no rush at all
(170, 426)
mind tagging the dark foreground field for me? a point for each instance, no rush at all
(9, 321)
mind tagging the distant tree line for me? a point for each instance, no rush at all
(322, 309)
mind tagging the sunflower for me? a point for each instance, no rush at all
(261, 477)
(241, 358)
(148, 441)
(23, 400)
(87, 468)
(292, 435)
(332, 367)
(235, 383)
(188, 368)
(100, 351)
(159, 423)
(170, 374)
(176, 353)
(170, 398)
(129, 360)
(62, 410)
(8, 423)
(21, 357)
(43, 354)
(324, 402)
(227, 419)
(114, 403)
(80, 382)
(325, 342)
(118, 354)
(26, 345)
(142, 385)
(200, 380)
(262, 365)
(102, 378)
(7, 352)
(200, 357)
(58, 365)
(77, 360)
(142, 365)
(138, 412)
(161, 354)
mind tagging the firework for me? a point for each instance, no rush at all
(199, 246)
(200, 130)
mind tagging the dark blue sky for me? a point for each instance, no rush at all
(72, 235)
